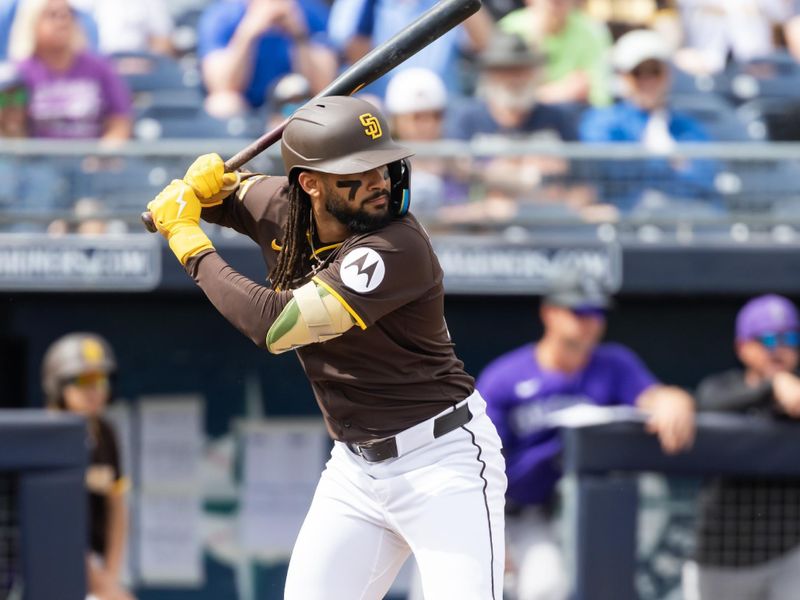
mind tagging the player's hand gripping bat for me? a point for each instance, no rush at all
(428, 27)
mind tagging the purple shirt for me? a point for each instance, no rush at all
(75, 103)
(519, 395)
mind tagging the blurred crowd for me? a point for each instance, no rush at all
(658, 73)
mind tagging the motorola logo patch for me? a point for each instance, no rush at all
(362, 270)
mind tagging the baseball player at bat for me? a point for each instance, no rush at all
(356, 291)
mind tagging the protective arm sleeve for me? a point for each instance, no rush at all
(313, 315)
(250, 307)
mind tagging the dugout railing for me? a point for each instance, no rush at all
(45, 455)
(604, 462)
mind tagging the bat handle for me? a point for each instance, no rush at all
(147, 221)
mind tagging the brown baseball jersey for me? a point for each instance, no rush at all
(396, 367)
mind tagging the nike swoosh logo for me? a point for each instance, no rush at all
(181, 201)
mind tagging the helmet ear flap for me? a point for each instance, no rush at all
(400, 176)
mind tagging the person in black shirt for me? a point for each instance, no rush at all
(748, 533)
(76, 374)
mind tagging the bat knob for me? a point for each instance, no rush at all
(149, 224)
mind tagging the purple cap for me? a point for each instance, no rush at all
(766, 314)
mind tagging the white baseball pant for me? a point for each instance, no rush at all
(442, 501)
(778, 579)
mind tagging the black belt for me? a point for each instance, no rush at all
(387, 448)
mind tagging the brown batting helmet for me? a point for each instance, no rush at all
(339, 135)
(73, 355)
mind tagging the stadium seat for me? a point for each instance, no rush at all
(184, 36)
(717, 115)
(124, 183)
(684, 83)
(198, 124)
(146, 72)
(778, 118)
(773, 76)
(758, 188)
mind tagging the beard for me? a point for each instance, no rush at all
(356, 219)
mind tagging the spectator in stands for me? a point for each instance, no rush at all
(246, 45)
(140, 26)
(507, 106)
(8, 10)
(416, 99)
(416, 102)
(357, 26)
(290, 93)
(748, 547)
(575, 46)
(644, 116)
(507, 100)
(526, 388)
(72, 93)
(77, 373)
(716, 31)
(13, 102)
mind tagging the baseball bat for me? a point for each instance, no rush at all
(428, 27)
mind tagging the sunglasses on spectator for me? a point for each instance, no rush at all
(771, 341)
(90, 380)
(589, 311)
(648, 69)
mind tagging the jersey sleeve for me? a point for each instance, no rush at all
(379, 272)
(633, 376)
(121, 483)
(248, 306)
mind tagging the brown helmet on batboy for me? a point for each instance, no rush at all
(342, 135)
(72, 355)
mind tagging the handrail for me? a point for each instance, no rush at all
(479, 147)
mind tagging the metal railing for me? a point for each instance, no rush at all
(735, 191)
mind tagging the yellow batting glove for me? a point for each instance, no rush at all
(176, 213)
(207, 177)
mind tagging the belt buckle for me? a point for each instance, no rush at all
(376, 451)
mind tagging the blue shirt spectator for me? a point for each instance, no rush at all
(8, 10)
(260, 42)
(644, 117)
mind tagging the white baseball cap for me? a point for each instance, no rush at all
(415, 89)
(636, 47)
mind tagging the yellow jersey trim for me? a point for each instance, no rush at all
(245, 186)
(121, 486)
(359, 321)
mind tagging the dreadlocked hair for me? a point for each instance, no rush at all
(295, 240)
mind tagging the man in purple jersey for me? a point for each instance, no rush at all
(566, 367)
